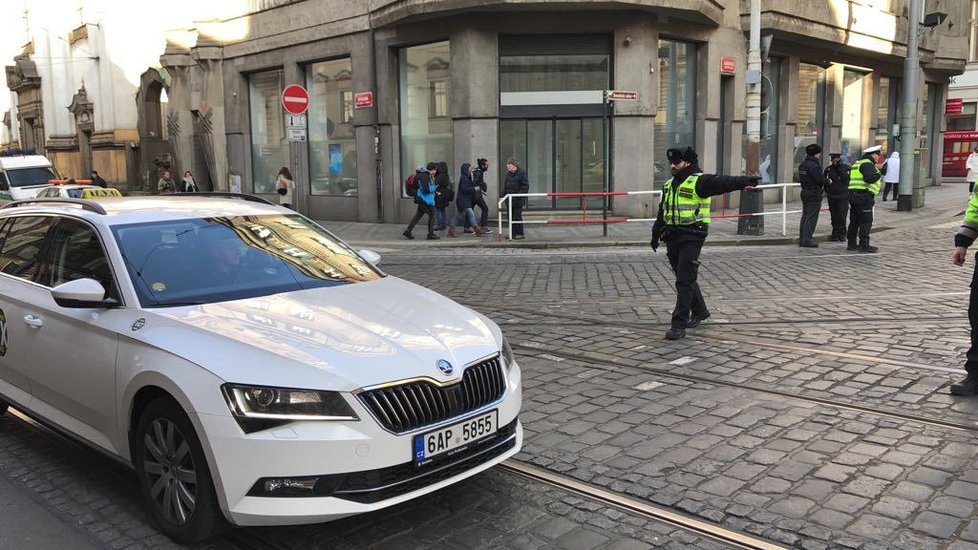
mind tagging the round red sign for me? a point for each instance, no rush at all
(295, 99)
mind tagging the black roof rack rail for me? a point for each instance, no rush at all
(225, 195)
(91, 206)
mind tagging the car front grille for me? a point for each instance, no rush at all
(412, 405)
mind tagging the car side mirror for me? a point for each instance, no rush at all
(370, 256)
(82, 293)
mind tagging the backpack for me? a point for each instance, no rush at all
(411, 185)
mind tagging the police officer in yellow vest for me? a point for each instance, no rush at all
(682, 223)
(965, 238)
(864, 185)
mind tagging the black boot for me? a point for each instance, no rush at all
(676, 334)
(866, 248)
(968, 386)
(695, 320)
(408, 235)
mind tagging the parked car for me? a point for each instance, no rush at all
(21, 176)
(77, 191)
(251, 366)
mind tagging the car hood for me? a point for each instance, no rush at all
(340, 338)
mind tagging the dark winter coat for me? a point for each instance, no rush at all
(516, 182)
(466, 189)
(837, 176)
(812, 179)
(445, 193)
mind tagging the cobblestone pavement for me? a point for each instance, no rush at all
(811, 409)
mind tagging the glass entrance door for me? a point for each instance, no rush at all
(560, 155)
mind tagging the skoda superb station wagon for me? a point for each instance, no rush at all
(253, 368)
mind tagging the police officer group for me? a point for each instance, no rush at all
(853, 188)
(683, 222)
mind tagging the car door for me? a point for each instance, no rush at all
(23, 239)
(72, 372)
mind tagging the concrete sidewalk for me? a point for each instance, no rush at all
(942, 204)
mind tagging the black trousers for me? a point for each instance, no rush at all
(684, 258)
(480, 201)
(860, 217)
(838, 209)
(518, 204)
(890, 186)
(809, 219)
(423, 210)
(971, 358)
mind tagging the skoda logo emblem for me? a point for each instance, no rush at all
(444, 366)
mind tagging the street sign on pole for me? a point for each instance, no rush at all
(621, 95)
(363, 100)
(295, 99)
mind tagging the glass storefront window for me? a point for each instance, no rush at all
(675, 121)
(424, 93)
(269, 149)
(811, 112)
(852, 115)
(770, 119)
(332, 143)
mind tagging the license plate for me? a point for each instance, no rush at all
(453, 439)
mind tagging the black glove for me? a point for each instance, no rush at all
(654, 243)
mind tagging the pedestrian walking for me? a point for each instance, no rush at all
(97, 180)
(891, 176)
(864, 185)
(516, 183)
(444, 194)
(189, 184)
(972, 165)
(463, 204)
(284, 186)
(812, 183)
(837, 189)
(424, 198)
(481, 188)
(166, 184)
(683, 223)
(962, 241)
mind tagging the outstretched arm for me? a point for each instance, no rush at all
(709, 185)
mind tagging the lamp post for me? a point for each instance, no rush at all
(752, 202)
(909, 172)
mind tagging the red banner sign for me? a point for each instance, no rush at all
(954, 106)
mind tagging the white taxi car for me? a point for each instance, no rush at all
(253, 368)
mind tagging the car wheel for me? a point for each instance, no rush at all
(173, 474)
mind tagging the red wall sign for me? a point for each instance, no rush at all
(363, 99)
(954, 106)
(728, 65)
(295, 99)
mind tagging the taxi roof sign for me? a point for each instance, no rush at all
(621, 95)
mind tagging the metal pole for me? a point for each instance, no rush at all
(909, 172)
(604, 145)
(752, 201)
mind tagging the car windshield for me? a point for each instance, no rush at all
(206, 260)
(23, 177)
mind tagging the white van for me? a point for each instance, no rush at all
(22, 176)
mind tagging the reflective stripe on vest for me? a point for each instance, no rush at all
(856, 181)
(681, 205)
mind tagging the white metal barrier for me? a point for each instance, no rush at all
(508, 200)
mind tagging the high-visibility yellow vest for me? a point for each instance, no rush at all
(856, 181)
(681, 205)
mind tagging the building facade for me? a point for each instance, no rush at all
(394, 84)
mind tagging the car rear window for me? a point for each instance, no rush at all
(206, 260)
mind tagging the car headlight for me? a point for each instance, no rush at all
(507, 354)
(259, 408)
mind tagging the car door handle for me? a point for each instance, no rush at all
(33, 322)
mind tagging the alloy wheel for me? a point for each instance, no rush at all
(169, 468)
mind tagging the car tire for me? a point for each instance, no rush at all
(174, 478)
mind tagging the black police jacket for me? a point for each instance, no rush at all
(812, 179)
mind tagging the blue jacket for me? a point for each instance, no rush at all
(466, 189)
(426, 189)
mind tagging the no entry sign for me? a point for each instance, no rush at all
(295, 99)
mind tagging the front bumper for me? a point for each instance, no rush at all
(360, 467)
